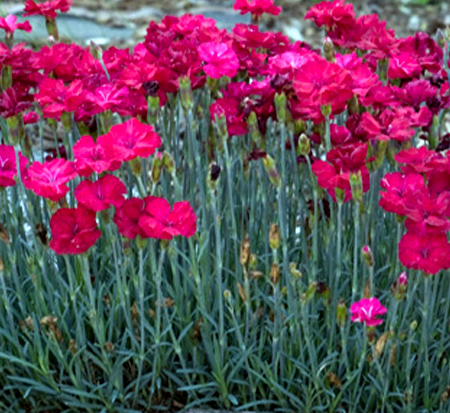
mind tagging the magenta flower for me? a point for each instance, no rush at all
(161, 221)
(49, 179)
(429, 253)
(367, 310)
(91, 157)
(9, 24)
(130, 140)
(48, 8)
(101, 194)
(74, 230)
(8, 165)
(220, 58)
(256, 7)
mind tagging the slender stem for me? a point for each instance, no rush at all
(356, 254)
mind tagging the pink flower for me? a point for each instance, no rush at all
(9, 24)
(332, 15)
(221, 60)
(48, 179)
(403, 66)
(399, 188)
(48, 8)
(8, 165)
(74, 230)
(367, 310)
(55, 98)
(256, 7)
(403, 279)
(430, 253)
(101, 194)
(159, 221)
(127, 218)
(130, 140)
(90, 157)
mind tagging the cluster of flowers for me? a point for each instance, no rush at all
(387, 87)
(74, 230)
(420, 194)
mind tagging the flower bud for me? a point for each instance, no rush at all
(310, 291)
(326, 110)
(141, 242)
(341, 313)
(339, 194)
(253, 262)
(294, 271)
(356, 186)
(304, 145)
(6, 77)
(253, 129)
(274, 236)
(213, 176)
(399, 287)
(136, 167)
(157, 167)
(403, 279)
(413, 325)
(168, 162)
(281, 107)
(227, 295)
(275, 274)
(153, 108)
(270, 167)
(328, 50)
(241, 292)
(245, 251)
(186, 96)
(4, 235)
(353, 105)
(367, 256)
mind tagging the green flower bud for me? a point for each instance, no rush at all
(186, 95)
(341, 313)
(269, 166)
(274, 237)
(304, 145)
(281, 107)
(328, 50)
(356, 186)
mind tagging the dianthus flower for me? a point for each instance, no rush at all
(257, 7)
(14, 100)
(332, 15)
(341, 163)
(49, 179)
(220, 58)
(367, 310)
(162, 222)
(9, 24)
(55, 98)
(319, 83)
(389, 125)
(399, 188)
(429, 253)
(74, 230)
(131, 139)
(101, 194)
(8, 165)
(48, 8)
(403, 66)
(127, 217)
(91, 157)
